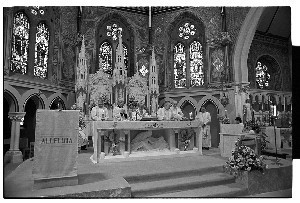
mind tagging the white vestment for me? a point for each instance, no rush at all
(177, 113)
(206, 136)
(99, 114)
(163, 114)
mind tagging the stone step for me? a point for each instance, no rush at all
(144, 189)
(273, 154)
(157, 176)
(227, 190)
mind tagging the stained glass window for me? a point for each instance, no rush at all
(37, 9)
(112, 30)
(143, 70)
(41, 51)
(262, 76)
(20, 43)
(196, 64)
(187, 30)
(105, 57)
(179, 66)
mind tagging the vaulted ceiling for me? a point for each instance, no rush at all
(276, 22)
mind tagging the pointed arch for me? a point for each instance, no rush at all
(188, 30)
(213, 99)
(128, 35)
(243, 43)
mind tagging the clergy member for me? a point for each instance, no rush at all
(99, 112)
(165, 113)
(204, 117)
(177, 113)
(119, 111)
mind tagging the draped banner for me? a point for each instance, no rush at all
(55, 150)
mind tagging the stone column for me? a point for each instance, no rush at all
(14, 155)
(171, 135)
(100, 155)
(199, 139)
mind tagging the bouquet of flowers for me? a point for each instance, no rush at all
(185, 137)
(132, 103)
(243, 158)
(114, 143)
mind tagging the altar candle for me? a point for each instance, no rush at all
(149, 16)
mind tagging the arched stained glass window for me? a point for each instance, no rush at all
(41, 51)
(179, 66)
(20, 43)
(105, 57)
(196, 64)
(262, 76)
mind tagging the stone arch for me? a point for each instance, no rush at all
(243, 43)
(189, 99)
(214, 100)
(54, 97)
(13, 97)
(40, 98)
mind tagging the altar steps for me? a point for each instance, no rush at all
(205, 182)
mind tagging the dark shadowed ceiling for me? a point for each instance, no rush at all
(275, 21)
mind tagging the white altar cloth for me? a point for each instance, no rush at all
(99, 127)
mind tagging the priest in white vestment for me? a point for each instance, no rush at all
(100, 112)
(204, 116)
(120, 111)
(177, 113)
(165, 113)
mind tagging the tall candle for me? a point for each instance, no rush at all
(149, 16)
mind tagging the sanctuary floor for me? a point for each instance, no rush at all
(19, 182)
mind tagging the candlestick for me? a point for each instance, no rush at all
(149, 16)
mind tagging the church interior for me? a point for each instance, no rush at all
(137, 63)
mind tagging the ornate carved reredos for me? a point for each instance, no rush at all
(137, 88)
(100, 85)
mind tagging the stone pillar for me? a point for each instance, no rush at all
(199, 139)
(99, 144)
(14, 155)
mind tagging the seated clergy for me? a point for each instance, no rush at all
(165, 113)
(99, 112)
(119, 111)
(177, 113)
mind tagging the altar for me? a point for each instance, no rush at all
(169, 128)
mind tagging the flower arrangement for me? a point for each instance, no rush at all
(113, 142)
(132, 103)
(185, 137)
(243, 158)
(224, 119)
